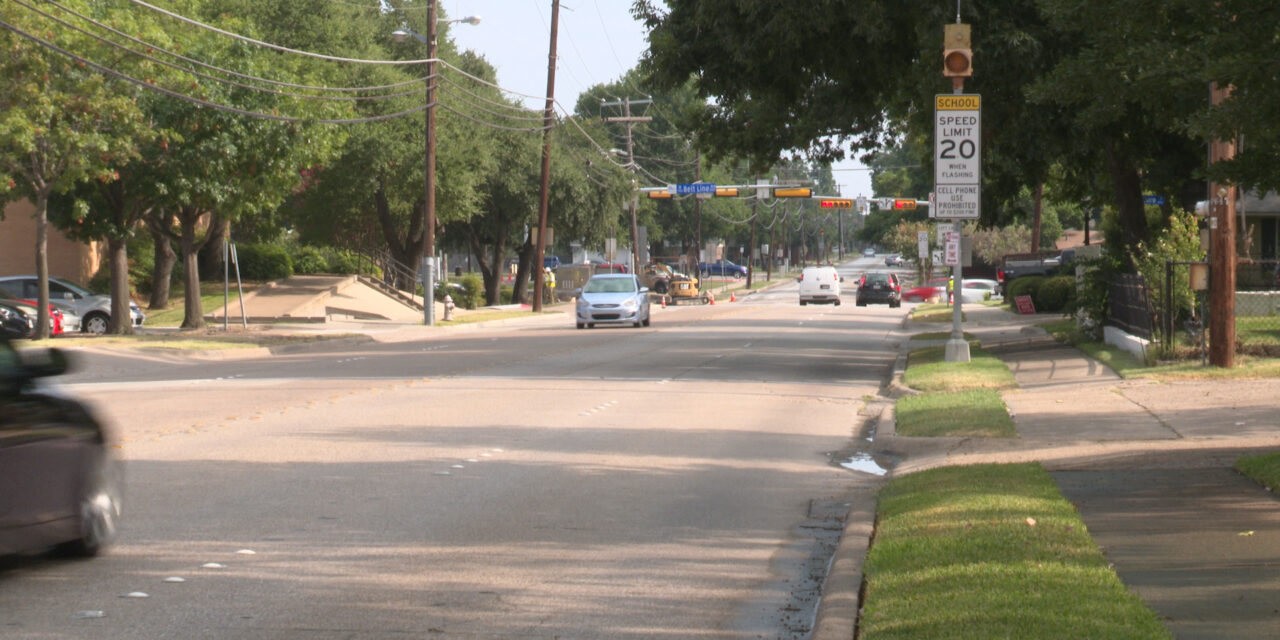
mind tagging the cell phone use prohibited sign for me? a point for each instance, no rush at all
(957, 156)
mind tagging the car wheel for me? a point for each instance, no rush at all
(646, 321)
(99, 513)
(590, 326)
(580, 325)
(861, 303)
(837, 303)
(803, 303)
(96, 323)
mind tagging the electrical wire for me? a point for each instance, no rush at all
(210, 66)
(206, 76)
(276, 47)
(205, 103)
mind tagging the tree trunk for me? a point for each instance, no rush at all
(211, 252)
(43, 320)
(488, 273)
(407, 250)
(1128, 191)
(524, 269)
(192, 308)
(493, 289)
(1035, 226)
(165, 259)
(118, 255)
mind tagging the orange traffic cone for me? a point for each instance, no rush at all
(711, 298)
(732, 298)
(664, 302)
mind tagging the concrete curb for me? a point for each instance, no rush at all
(841, 604)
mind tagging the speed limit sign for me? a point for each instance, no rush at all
(957, 156)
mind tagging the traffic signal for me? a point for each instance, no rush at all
(836, 203)
(726, 192)
(904, 204)
(957, 56)
(659, 195)
(792, 193)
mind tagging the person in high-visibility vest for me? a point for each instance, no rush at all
(549, 284)
(951, 285)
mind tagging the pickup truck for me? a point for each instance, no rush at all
(722, 268)
(1021, 266)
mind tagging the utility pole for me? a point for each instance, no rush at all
(1222, 252)
(697, 215)
(548, 115)
(751, 247)
(631, 121)
(429, 205)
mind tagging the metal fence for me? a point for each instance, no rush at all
(1131, 306)
(1182, 315)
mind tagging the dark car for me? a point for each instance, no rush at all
(551, 262)
(879, 288)
(15, 322)
(722, 268)
(59, 483)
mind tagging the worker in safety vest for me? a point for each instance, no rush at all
(548, 284)
(951, 285)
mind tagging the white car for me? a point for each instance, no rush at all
(978, 289)
(93, 310)
(612, 298)
(820, 285)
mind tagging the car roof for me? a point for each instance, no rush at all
(606, 276)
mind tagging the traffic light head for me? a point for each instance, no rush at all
(957, 56)
(836, 203)
(904, 204)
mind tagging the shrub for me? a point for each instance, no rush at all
(1024, 286)
(469, 294)
(264, 262)
(1054, 294)
(343, 262)
(309, 260)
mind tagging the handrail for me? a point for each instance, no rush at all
(398, 279)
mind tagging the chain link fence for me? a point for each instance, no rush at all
(1181, 306)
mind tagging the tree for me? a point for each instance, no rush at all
(61, 123)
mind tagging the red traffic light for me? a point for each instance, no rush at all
(836, 203)
(904, 204)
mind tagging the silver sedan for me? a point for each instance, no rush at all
(612, 298)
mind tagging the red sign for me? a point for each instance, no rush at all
(1025, 306)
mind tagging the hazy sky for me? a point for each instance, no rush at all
(598, 42)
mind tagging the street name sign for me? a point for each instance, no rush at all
(957, 156)
(694, 188)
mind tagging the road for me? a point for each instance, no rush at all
(533, 481)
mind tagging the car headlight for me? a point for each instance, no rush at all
(630, 303)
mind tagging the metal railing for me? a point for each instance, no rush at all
(379, 269)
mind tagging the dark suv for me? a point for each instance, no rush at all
(880, 288)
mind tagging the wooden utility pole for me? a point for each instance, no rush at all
(631, 121)
(548, 119)
(1222, 252)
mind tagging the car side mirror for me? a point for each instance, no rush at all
(644, 289)
(577, 293)
(68, 296)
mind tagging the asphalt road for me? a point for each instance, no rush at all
(681, 480)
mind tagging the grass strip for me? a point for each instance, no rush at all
(1263, 469)
(472, 317)
(934, 313)
(974, 413)
(991, 551)
(928, 370)
(1127, 366)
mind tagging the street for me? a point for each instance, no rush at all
(530, 481)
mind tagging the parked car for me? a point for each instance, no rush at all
(612, 298)
(894, 260)
(56, 317)
(820, 285)
(869, 252)
(979, 289)
(722, 268)
(609, 267)
(93, 311)
(16, 323)
(61, 485)
(879, 288)
(551, 262)
(936, 288)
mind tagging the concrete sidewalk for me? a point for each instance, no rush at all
(1146, 463)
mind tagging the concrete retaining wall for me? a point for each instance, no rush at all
(1131, 343)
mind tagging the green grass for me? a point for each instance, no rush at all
(210, 299)
(1263, 469)
(1127, 366)
(973, 413)
(939, 335)
(473, 317)
(955, 556)
(934, 313)
(1258, 330)
(928, 370)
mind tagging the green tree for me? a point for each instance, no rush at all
(61, 123)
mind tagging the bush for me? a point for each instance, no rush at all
(1024, 286)
(468, 295)
(264, 262)
(343, 262)
(309, 260)
(1054, 294)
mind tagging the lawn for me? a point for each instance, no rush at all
(991, 551)
(210, 299)
(1263, 469)
(1127, 366)
(928, 370)
(973, 413)
(934, 313)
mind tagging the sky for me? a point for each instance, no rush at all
(598, 42)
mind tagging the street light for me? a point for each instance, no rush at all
(429, 207)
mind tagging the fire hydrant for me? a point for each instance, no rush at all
(448, 308)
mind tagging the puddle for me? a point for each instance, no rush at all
(865, 463)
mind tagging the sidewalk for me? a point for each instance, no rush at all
(1146, 463)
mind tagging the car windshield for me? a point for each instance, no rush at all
(876, 277)
(610, 285)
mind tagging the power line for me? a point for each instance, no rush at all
(276, 47)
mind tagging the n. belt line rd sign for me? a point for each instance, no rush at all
(695, 188)
(957, 156)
